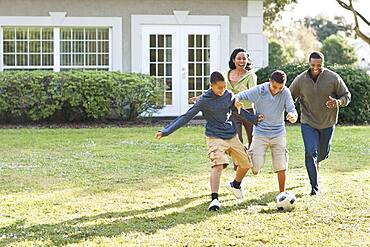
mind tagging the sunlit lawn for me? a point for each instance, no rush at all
(120, 186)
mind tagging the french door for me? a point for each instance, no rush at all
(183, 57)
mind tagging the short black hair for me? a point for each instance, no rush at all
(233, 56)
(316, 55)
(279, 76)
(215, 77)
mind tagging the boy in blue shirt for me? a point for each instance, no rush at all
(216, 105)
(271, 99)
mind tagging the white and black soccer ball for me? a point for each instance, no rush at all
(285, 201)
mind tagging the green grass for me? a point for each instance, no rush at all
(120, 186)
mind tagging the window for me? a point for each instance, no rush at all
(25, 47)
(84, 48)
(160, 46)
(33, 48)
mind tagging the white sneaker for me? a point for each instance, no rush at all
(238, 193)
(215, 205)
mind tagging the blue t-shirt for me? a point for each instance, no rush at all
(272, 107)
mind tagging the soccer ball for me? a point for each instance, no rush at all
(285, 201)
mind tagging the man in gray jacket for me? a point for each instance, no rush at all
(321, 92)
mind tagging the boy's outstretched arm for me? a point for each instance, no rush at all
(253, 118)
(179, 121)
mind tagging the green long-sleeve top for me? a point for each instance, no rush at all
(314, 95)
(248, 81)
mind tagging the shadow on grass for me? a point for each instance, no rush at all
(76, 230)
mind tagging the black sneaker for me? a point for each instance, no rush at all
(315, 193)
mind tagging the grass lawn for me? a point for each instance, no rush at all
(120, 186)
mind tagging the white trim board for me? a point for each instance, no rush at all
(58, 19)
(179, 18)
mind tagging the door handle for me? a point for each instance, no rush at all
(183, 73)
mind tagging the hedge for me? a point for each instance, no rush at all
(76, 95)
(357, 81)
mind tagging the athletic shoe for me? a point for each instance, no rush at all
(215, 205)
(238, 193)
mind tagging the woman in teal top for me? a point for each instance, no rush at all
(241, 77)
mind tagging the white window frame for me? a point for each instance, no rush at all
(178, 18)
(58, 20)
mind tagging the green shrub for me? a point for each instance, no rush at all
(76, 95)
(277, 53)
(357, 81)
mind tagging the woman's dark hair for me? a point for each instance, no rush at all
(215, 77)
(233, 56)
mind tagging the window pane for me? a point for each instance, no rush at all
(22, 60)
(9, 46)
(206, 69)
(152, 42)
(199, 83)
(65, 60)
(199, 69)
(191, 83)
(90, 33)
(199, 55)
(168, 55)
(22, 46)
(9, 60)
(103, 34)
(191, 40)
(160, 69)
(191, 55)
(153, 69)
(206, 55)
(168, 69)
(103, 46)
(47, 46)
(169, 84)
(199, 41)
(169, 98)
(78, 59)
(91, 46)
(168, 41)
(47, 34)
(191, 69)
(47, 59)
(9, 33)
(35, 59)
(35, 46)
(152, 55)
(78, 46)
(65, 33)
(160, 40)
(35, 34)
(78, 34)
(91, 59)
(65, 46)
(21, 33)
(206, 41)
(160, 55)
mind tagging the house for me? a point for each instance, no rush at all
(179, 41)
(362, 50)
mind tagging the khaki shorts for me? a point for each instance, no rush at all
(219, 149)
(279, 151)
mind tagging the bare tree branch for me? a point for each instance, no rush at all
(355, 15)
